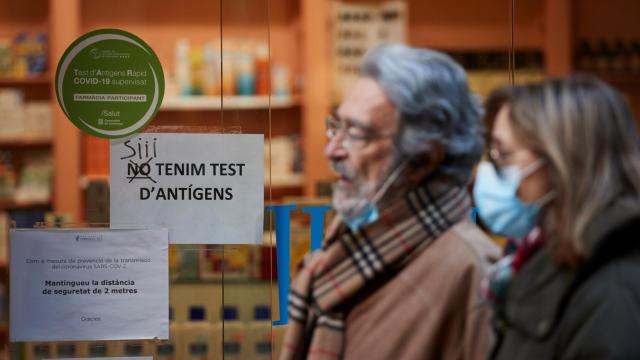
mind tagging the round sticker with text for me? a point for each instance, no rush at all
(109, 83)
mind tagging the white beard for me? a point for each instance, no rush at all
(352, 204)
(352, 201)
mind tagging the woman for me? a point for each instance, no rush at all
(564, 181)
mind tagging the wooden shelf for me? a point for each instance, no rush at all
(44, 79)
(289, 181)
(26, 140)
(6, 204)
(189, 103)
(619, 78)
(92, 178)
(456, 37)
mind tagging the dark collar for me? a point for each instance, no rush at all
(622, 213)
(540, 293)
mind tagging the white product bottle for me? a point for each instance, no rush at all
(232, 332)
(211, 70)
(259, 337)
(197, 336)
(183, 67)
(281, 83)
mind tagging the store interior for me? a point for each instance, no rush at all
(272, 67)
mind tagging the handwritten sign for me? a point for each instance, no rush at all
(206, 188)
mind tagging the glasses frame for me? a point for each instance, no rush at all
(336, 126)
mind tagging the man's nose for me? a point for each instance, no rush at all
(335, 147)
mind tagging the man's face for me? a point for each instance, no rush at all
(361, 153)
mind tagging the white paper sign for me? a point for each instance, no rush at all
(206, 188)
(89, 285)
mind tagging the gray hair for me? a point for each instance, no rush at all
(430, 92)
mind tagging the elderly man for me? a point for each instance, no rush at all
(399, 273)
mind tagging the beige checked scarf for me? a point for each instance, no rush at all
(333, 276)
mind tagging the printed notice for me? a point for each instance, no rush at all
(89, 285)
(109, 83)
(206, 188)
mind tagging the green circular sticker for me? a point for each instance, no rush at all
(109, 83)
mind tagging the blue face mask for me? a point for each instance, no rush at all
(370, 215)
(370, 211)
(496, 198)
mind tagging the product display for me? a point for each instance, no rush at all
(34, 182)
(37, 351)
(98, 348)
(283, 153)
(259, 343)
(358, 28)
(197, 336)
(233, 337)
(23, 119)
(609, 56)
(26, 56)
(245, 70)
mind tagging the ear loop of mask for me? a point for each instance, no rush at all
(390, 180)
(394, 175)
(528, 171)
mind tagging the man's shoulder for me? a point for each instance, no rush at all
(483, 250)
(462, 248)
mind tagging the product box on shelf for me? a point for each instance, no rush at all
(233, 337)
(246, 69)
(197, 337)
(99, 348)
(234, 261)
(38, 119)
(12, 110)
(259, 334)
(34, 184)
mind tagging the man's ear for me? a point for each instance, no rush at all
(423, 165)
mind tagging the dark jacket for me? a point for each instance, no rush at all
(592, 312)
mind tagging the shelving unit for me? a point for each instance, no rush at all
(197, 103)
(300, 38)
(10, 204)
(25, 141)
(16, 17)
(38, 80)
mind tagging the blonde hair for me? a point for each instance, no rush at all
(589, 138)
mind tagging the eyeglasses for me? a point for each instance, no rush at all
(501, 158)
(498, 157)
(356, 135)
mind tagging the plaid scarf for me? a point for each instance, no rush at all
(351, 261)
(495, 285)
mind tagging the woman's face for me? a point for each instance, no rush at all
(508, 150)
